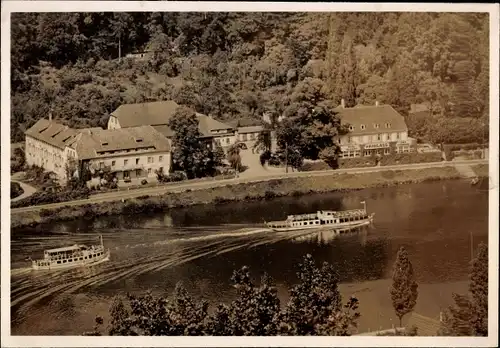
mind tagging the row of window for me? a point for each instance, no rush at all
(81, 258)
(138, 172)
(375, 125)
(385, 151)
(223, 141)
(245, 137)
(137, 161)
(376, 137)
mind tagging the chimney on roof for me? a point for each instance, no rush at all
(342, 103)
(376, 103)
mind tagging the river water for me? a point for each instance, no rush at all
(437, 222)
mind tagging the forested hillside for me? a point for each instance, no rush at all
(236, 66)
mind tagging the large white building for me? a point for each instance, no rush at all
(377, 129)
(48, 145)
(135, 152)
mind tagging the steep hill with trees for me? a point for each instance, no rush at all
(237, 66)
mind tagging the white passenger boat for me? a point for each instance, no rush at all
(336, 220)
(72, 256)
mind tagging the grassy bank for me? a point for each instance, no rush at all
(481, 170)
(241, 192)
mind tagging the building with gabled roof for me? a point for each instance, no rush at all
(373, 129)
(135, 152)
(158, 114)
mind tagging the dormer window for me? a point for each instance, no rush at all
(363, 127)
(376, 125)
(139, 140)
(387, 125)
(351, 128)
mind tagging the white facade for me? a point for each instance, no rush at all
(365, 145)
(133, 165)
(51, 158)
(113, 123)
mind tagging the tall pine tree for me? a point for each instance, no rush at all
(404, 291)
(347, 77)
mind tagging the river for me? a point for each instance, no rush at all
(202, 245)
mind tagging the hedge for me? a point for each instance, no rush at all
(41, 197)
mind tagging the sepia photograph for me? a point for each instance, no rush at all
(270, 171)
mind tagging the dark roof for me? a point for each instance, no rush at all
(93, 145)
(151, 114)
(51, 132)
(158, 114)
(364, 119)
(208, 124)
(88, 142)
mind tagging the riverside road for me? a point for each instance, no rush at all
(180, 187)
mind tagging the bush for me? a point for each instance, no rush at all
(356, 162)
(177, 176)
(313, 166)
(18, 160)
(15, 190)
(412, 157)
(40, 197)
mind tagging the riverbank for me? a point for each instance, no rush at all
(264, 190)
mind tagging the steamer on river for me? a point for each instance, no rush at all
(72, 256)
(338, 221)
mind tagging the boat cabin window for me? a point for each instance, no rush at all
(64, 261)
(90, 256)
(58, 261)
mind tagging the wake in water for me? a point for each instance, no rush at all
(133, 252)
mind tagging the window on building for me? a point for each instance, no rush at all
(349, 139)
(149, 170)
(125, 162)
(252, 136)
(160, 169)
(137, 160)
(227, 140)
(150, 159)
(387, 151)
(245, 137)
(160, 158)
(378, 137)
(126, 174)
(397, 136)
(137, 172)
(101, 165)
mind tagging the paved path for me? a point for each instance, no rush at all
(28, 191)
(180, 187)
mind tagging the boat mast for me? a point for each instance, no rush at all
(364, 205)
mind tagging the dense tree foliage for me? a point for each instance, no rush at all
(241, 65)
(404, 290)
(314, 308)
(469, 315)
(189, 153)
